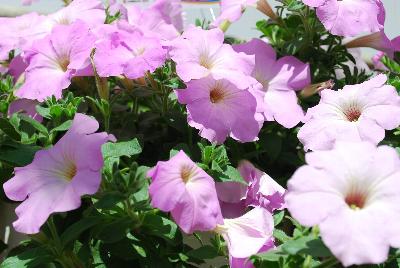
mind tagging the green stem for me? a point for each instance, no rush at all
(331, 262)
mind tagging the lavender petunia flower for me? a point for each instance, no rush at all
(218, 108)
(20, 32)
(378, 41)
(351, 193)
(199, 53)
(59, 176)
(277, 81)
(131, 54)
(356, 113)
(150, 22)
(350, 18)
(245, 262)
(231, 10)
(89, 11)
(25, 106)
(261, 191)
(179, 186)
(247, 234)
(55, 59)
(171, 12)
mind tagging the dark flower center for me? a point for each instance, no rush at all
(63, 62)
(217, 94)
(356, 200)
(353, 114)
(70, 171)
(187, 173)
(205, 60)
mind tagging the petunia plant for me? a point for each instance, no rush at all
(131, 136)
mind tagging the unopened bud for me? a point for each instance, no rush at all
(316, 88)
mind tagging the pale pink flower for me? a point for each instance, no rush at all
(247, 234)
(131, 54)
(350, 18)
(150, 22)
(59, 176)
(171, 12)
(199, 53)
(231, 10)
(180, 187)
(18, 33)
(245, 262)
(378, 64)
(351, 193)
(260, 191)
(378, 41)
(55, 59)
(278, 80)
(218, 108)
(25, 106)
(89, 11)
(356, 113)
(17, 67)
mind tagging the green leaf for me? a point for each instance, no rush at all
(307, 245)
(35, 257)
(38, 126)
(281, 235)
(233, 174)
(271, 255)
(45, 112)
(18, 154)
(109, 199)
(161, 227)
(204, 252)
(125, 148)
(63, 127)
(9, 129)
(115, 231)
(278, 217)
(77, 228)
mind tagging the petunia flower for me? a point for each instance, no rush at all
(378, 41)
(218, 108)
(278, 80)
(351, 193)
(17, 67)
(25, 106)
(350, 18)
(59, 176)
(199, 53)
(232, 10)
(179, 186)
(261, 191)
(131, 54)
(55, 59)
(247, 234)
(171, 12)
(245, 262)
(356, 113)
(89, 11)
(19, 32)
(150, 22)
(378, 64)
